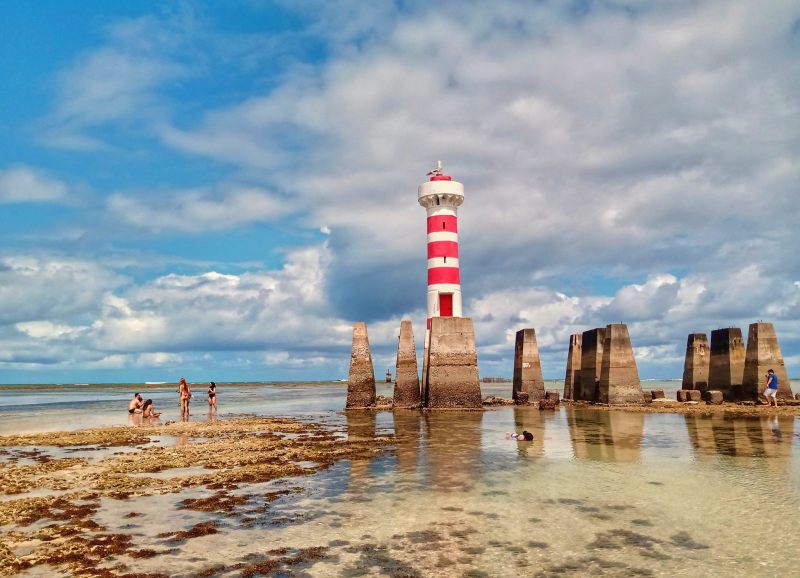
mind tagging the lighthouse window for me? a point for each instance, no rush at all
(437, 200)
(442, 224)
(445, 259)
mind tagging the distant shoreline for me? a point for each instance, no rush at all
(140, 385)
(153, 385)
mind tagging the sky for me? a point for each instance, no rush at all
(219, 190)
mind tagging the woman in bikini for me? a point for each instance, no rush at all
(212, 398)
(186, 394)
(147, 409)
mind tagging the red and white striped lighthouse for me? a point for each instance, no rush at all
(441, 196)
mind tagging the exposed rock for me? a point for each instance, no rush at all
(494, 400)
(521, 398)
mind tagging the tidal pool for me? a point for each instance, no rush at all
(596, 492)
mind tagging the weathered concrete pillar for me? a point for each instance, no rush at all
(695, 366)
(619, 377)
(763, 353)
(452, 364)
(726, 365)
(591, 363)
(361, 381)
(572, 381)
(406, 388)
(423, 386)
(527, 366)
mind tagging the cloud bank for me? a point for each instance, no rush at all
(623, 161)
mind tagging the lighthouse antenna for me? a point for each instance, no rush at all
(437, 170)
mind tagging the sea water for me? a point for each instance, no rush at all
(597, 492)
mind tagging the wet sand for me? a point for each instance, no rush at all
(50, 502)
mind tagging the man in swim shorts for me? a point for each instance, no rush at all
(135, 405)
(771, 393)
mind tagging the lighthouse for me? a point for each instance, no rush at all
(441, 197)
(450, 360)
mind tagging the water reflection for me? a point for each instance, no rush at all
(534, 422)
(447, 450)
(718, 434)
(452, 448)
(605, 435)
(407, 430)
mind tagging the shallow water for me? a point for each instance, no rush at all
(596, 493)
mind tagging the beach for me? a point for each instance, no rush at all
(285, 483)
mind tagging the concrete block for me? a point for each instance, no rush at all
(695, 395)
(726, 364)
(695, 366)
(592, 342)
(763, 353)
(452, 365)
(657, 393)
(646, 397)
(619, 377)
(547, 404)
(797, 396)
(713, 397)
(553, 395)
(406, 389)
(361, 379)
(572, 381)
(683, 395)
(521, 398)
(527, 366)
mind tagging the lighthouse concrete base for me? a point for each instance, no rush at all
(451, 365)
(361, 380)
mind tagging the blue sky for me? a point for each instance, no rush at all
(221, 189)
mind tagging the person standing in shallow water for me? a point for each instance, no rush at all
(185, 395)
(771, 392)
(212, 398)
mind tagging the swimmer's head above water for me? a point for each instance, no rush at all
(525, 436)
